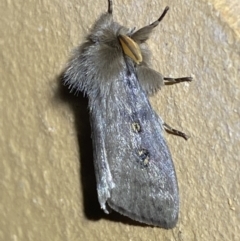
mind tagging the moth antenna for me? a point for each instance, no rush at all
(163, 14)
(110, 9)
(154, 24)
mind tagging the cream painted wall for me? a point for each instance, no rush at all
(47, 185)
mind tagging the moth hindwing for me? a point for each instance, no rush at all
(133, 166)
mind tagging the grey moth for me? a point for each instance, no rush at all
(133, 166)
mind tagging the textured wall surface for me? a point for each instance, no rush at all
(47, 183)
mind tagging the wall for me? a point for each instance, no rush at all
(47, 181)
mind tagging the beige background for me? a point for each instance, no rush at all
(47, 186)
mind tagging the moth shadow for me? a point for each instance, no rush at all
(79, 105)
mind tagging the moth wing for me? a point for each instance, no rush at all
(142, 187)
(102, 171)
(148, 194)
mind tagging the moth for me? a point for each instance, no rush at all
(133, 166)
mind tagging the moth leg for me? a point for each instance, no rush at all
(170, 130)
(172, 81)
(150, 80)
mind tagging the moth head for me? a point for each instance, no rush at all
(109, 33)
(104, 30)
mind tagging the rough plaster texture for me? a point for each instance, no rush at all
(47, 183)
